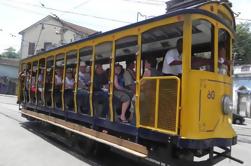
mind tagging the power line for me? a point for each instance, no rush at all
(66, 11)
(243, 19)
(145, 2)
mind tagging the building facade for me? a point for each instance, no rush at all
(242, 90)
(8, 76)
(49, 33)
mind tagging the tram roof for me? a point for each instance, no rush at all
(188, 10)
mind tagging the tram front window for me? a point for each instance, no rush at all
(202, 45)
(224, 61)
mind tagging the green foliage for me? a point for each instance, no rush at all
(242, 45)
(10, 53)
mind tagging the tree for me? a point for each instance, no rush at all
(10, 53)
(242, 45)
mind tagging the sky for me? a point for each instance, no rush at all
(100, 15)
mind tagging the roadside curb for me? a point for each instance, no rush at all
(243, 139)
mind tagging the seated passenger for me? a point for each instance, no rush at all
(100, 87)
(69, 86)
(121, 92)
(223, 63)
(40, 82)
(150, 68)
(173, 60)
(83, 89)
(57, 88)
(129, 79)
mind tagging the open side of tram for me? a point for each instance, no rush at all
(173, 118)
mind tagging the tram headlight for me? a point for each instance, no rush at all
(227, 105)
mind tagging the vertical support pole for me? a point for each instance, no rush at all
(92, 79)
(76, 83)
(138, 68)
(53, 82)
(112, 81)
(216, 48)
(30, 82)
(186, 68)
(156, 104)
(43, 86)
(37, 75)
(19, 85)
(63, 85)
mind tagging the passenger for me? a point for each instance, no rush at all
(223, 63)
(129, 79)
(69, 80)
(21, 78)
(150, 68)
(120, 92)
(130, 76)
(58, 77)
(84, 77)
(100, 88)
(40, 85)
(57, 89)
(173, 60)
(83, 88)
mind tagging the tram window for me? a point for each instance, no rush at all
(103, 53)
(84, 80)
(58, 80)
(224, 61)
(40, 82)
(155, 44)
(28, 82)
(24, 78)
(48, 81)
(21, 79)
(33, 86)
(202, 45)
(124, 78)
(70, 74)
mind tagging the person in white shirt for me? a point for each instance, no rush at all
(173, 60)
(58, 77)
(69, 80)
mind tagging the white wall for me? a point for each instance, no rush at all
(51, 33)
(8, 71)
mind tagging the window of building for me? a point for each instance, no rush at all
(47, 45)
(245, 68)
(31, 49)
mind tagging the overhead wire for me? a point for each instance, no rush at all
(42, 6)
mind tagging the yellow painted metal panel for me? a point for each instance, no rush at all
(159, 103)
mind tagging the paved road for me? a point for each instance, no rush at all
(22, 147)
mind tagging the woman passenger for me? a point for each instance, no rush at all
(120, 92)
(69, 86)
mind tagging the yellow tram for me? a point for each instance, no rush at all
(173, 117)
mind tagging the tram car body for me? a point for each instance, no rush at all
(175, 118)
